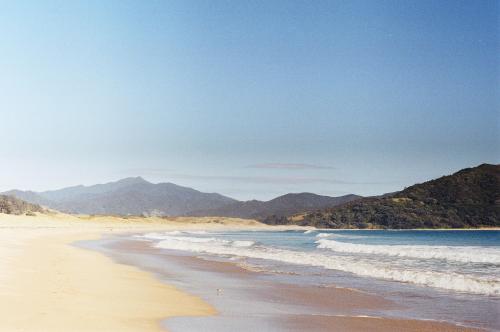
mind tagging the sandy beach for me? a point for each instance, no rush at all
(47, 284)
(50, 284)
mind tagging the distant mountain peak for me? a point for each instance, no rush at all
(128, 196)
(133, 180)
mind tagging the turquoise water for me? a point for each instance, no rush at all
(442, 275)
(306, 240)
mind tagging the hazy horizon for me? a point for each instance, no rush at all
(249, 100)
(158, 182)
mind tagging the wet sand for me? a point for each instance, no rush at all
(314, 308)
(364, 324)
(48, 284)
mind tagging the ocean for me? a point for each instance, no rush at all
(441, 275)
(459, 261)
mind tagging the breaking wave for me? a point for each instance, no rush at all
(179, 237)
(455, 254)
(366, 268)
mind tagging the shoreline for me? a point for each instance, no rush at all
(49, 284)
(84, 291)
(308, 306)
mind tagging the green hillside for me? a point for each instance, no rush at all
(468, 198)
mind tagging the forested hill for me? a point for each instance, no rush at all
(12, 205)
(285, 205)
(468, 198)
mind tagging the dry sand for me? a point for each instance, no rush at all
(47, 284)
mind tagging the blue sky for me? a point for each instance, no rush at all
(251, 99)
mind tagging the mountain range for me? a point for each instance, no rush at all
(130, 196)
(467, 198)
(285, 205)
(136, 196)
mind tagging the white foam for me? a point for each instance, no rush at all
(337, 235)
(165, 235)
(157, 236)
(456, 254)
(241, 243)
(178, 236)
(367, 268)
(194, 239)
(309, 231)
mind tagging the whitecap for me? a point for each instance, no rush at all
(242, 243)
(456, 254)
(449, 281)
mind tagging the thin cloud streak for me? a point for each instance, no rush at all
(297, 166)
(146, 171)
(269, 179)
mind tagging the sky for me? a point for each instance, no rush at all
(251, 99)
